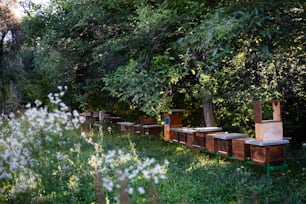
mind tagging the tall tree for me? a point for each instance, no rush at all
(10, 36)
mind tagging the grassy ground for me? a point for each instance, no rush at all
(192, 177)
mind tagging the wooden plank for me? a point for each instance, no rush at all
(240, 150)
(276, 111)
(211, 143)
(257, 112)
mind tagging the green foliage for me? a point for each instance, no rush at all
(150, 90)
(155, 55)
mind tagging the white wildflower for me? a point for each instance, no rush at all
(130, 190)
(141, 190)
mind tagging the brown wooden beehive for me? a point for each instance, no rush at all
(270, 152)
(224, 142)
(200, 135)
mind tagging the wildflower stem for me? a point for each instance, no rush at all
(99, 192)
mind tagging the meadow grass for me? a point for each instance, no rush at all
(192, 176)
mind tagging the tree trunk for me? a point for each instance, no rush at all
(3, 96)
(208, 111)
(3, 93)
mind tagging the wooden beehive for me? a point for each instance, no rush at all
(151, 129)
(224, 142)
(185, 135)
(241, 150)
(269, 152)
(272, 155)
(268, 130)
(200, 135)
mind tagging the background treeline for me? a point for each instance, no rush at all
(136, 57)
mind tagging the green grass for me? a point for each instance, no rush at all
(192, 176)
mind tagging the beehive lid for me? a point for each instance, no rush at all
(207, 129)
(188, 130)
(229, 136)
(151, 126)
(125, 123)
(266, 143)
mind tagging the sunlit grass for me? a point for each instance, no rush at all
(192, 176)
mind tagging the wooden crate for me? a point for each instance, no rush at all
(241, 150)
(273, 155)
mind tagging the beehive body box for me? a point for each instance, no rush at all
(272, 152)
(224, 142)
(200, 134)
(124, 125)
(269, 131)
